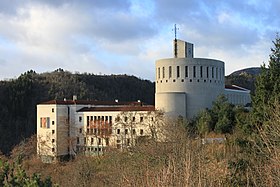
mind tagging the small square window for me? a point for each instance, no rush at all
(182, 80)
(174, 80)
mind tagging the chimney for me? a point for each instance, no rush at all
(75, 98)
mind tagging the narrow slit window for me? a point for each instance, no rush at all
(212, 72)
(178, 71)
(201, 71)
(186, 71)
(194, 71)
(170, 71)
(163, 72)
(158, 73)
(207, 72)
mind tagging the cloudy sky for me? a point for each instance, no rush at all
(127, 36)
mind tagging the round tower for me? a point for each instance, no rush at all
(186, 85)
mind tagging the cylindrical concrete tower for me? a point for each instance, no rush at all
(185, 86)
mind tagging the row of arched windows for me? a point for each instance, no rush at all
(197, 72)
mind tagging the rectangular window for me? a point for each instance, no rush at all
(45, 122)
(118, 131)
(85, 140)
(133, 131)
(141, 119)
(125, 131)
(81, 130)
(53, 131)
(52, 140)
(194, 71)
(216, 73)
(178, 71)
(91, 141)
(212, 72)
(201, 71)
(80, 118)
(207, 72)
(125, 119)
(186, 71)
(87, 120)
(163, 72)
(141, 131)
(53, 149)
(52, 110)
(128, 141)
(107, 141)
(170, 71)
(78, 140)
(52, 122)
(158, 73)
(99, 141)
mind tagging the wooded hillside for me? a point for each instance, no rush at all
(19, 97)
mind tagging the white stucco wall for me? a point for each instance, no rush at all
(201, 86)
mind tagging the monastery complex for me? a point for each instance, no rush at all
(184, 86)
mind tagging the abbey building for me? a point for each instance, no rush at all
(184, 86)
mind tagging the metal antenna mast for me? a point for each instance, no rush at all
(175, 40)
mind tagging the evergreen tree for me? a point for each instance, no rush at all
(268, 86)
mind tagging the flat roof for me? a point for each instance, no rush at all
(118, 108)
(234, 87)
(90, 102)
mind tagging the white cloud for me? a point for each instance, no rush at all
(128, 36)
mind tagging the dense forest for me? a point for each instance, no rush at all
(19, 97)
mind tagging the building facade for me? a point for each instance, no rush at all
(186, 85)
(66, 128)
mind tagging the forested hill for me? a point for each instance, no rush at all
(19, 97)
(245, 78)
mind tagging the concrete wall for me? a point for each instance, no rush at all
(173, 103)
(238, 97)
(202, 80)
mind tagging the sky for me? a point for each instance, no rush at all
(127, 36)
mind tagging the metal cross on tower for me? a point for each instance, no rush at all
(175, 31)
(175, 40)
